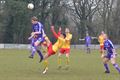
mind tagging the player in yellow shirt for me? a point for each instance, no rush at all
(101, 41)
(65, 49)
(52, 49)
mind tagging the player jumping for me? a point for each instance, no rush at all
(37, 37)
(52, 49)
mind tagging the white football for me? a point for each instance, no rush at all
(30, 6)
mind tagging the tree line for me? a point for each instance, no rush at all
(80, 16)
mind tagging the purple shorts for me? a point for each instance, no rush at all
(109, 55)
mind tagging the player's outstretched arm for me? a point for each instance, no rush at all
(81, 39)
(53, 31)
(32, 35)
(94, 37)
(59, 32)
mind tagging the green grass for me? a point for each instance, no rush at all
(15, 65)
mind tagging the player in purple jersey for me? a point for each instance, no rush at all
(88, 42)
(37, 37)
(110, 55)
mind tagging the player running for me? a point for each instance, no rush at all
(101, 41)
(37, 37)
(110, 55)
(65, 49)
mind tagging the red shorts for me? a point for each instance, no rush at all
(65, 50)
(50, 50)
(101, 47)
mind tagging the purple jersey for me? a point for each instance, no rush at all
(38, 27)
(88, 40)
(108, 46)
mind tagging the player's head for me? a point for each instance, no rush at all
(87, 34)
(34, 20)
(105, 36)
(102, 32)
(67, 30)
(63, 35)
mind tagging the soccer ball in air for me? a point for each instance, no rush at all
(30, 6)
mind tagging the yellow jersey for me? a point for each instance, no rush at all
(101, 39)
(67, 41)
(58, 44)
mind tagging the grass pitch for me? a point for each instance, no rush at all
(15, 65)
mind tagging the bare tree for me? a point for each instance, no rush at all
(116, 23)
(105, 11)
(83, 11)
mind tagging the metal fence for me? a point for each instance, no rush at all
(27, 46)
(14, 46)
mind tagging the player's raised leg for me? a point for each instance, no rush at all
(33, 48)
(44, 50)
(113, 61)
(45, 66)
(38, 34)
